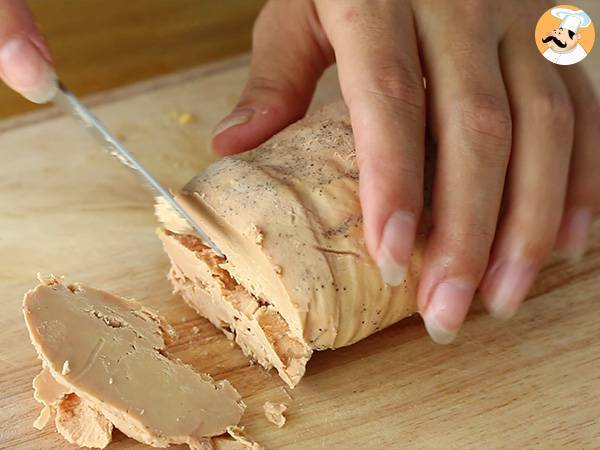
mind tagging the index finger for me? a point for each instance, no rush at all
(379, 70)
(25, 64)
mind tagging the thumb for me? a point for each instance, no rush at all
(24, 58)
(290, 52)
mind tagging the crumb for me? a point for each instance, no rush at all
(278, 269)
(195, 329)
(182, 118)
(232, 344)
(186, 118)
(110, 380)
(274, 413)
(142, 412)
(66, 368)
(258, 235)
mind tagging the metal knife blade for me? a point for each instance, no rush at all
(71, 105)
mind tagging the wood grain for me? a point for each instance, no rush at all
(102, 44)
(69, 209)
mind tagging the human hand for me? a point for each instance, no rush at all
(25, 62)
(508, 125)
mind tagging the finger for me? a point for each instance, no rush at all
(25, 63)
(381, 81)
(537, 179)
(471, 119)
(289, 55)
(583, 195)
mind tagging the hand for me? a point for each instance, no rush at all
(508, 125)
(25, 62)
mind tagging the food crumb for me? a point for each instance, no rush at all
(258, 235)
(110, 380)
(142, 412)
(274, 413)
(195, 329)
(66, 368)
(183, 118)
(186, 118)
(278, 269)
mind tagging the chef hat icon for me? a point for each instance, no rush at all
(570, 19)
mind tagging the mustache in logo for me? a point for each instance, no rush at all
(556, 41)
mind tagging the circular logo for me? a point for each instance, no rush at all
(565, 35)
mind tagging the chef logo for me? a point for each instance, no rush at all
(565, 35)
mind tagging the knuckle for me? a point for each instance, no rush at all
(553, 108)
(275, 87)
(467, 235)
(486, 117)
(398, 85)
(475, 14)
(473, 6)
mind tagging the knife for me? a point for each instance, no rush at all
(70, 104)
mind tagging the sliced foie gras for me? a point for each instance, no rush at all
(104, 365)
(256, 326)
(274, 413)
(288, 219)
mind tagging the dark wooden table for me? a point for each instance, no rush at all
(101, 44)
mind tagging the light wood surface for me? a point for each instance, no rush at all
(69, 209)
(102, 44)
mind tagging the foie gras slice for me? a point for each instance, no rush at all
(287, 217)
(104, 365)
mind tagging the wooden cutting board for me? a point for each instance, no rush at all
(69, 209)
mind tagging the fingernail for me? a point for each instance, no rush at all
(507, 287)
(24, 69)
(447, 309)
(573, 237)
(396, 247)
(239, 116)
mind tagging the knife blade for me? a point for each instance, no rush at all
(70, 104)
